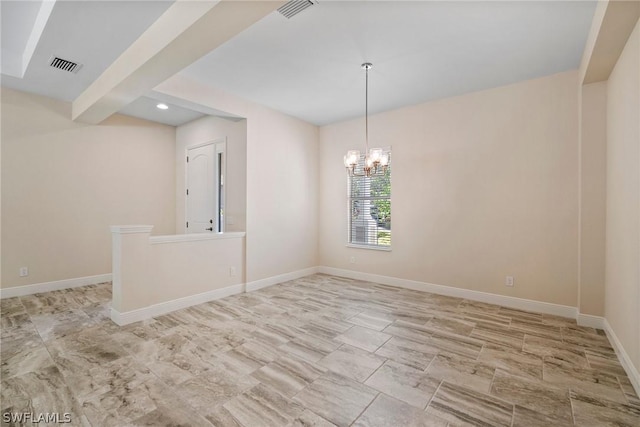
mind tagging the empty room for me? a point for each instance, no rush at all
(320, 213)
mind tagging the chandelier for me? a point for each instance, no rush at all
(375, 159)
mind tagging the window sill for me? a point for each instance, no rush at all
(372, 248)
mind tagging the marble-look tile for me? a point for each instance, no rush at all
(586, 380)
(17, 339)
(48, 303)
(371, 321)
(407, 352)
(269, 336)
(262, 405)
(213, 388)
(456, 344)
(525, 417)
(99, 312)
(520, 315)
(551, 319)
(593, 342)
(404, 383)
(30, 360)
(251, 355)
(591, 411)
(266, 310)
(218, 416)
(469, 306)
(605, 364)
(74, 361)
(498, 334)
(537, 329)
(329, 327)
(180, 368)
(451, 325)
(124, 372)
(170, 416)
(38, 392)
(11, 307)
(629, 391)
(463, 406)
(462, 371)
(364, 338)
(352, 362)
(288, 374)
(487, 319)
(288, 327)
(416, 317)
(310, 419)
(82, 338)
(408, 330)
(335, 398)
(58, 325)
(534, 395)
(560, 350)
(341, 312)
(170, 358)
(512, 361)
(386, 411)
(15, 320)
(310, 348)
(150, 403)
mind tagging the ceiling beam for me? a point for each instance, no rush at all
(187, 31)
(612, 25)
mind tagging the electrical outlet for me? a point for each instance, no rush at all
(232, 271)
(24, 271)
(508, 281)
(352, 260)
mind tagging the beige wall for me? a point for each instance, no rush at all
(623, 199)
(486, 186)
(209, 129)
(282, 181)
(65, 183)
(282, 194)
(593, 171)
(146, 270)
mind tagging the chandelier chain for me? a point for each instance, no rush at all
(366, 109)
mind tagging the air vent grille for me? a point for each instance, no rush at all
(294, 7)
(65, 65)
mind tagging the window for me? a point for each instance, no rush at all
(369, 199)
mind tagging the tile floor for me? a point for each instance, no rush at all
(317, 351)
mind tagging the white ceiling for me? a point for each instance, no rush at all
(309, 66)
(93, 33)
(146, 108)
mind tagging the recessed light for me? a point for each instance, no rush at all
(163, 106)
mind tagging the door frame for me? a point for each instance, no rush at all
(220, 146)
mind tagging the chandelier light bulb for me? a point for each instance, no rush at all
(375, 154)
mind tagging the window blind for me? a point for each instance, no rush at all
(369, 206)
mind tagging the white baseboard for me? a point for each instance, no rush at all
(173, 305)
(274, 280)
(37, 288)
(625, 360)
(590, 321)
(507, 301)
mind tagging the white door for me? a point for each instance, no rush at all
(204, 192)
(201, 175)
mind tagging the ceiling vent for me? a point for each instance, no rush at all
(294, 7)
(65, 65)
